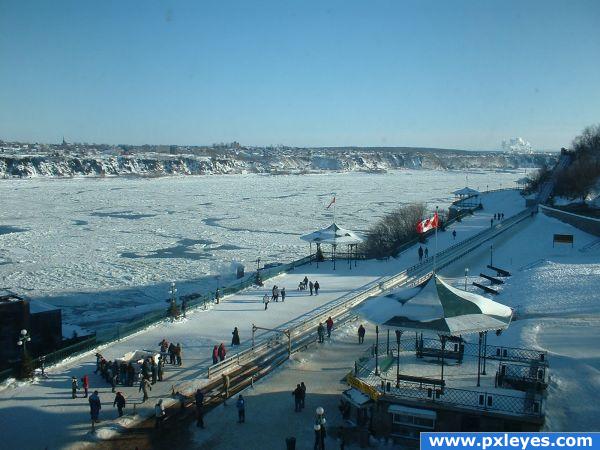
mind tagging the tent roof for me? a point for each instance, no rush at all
(437, 307)
(466, 191)
(333, 234)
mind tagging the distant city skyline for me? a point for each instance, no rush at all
(456, 75)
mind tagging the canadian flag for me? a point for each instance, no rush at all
(332, 202)
(428, 224)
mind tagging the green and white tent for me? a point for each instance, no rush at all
(439, 308)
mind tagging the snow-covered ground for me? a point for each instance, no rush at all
(57, 421)
(105, 250)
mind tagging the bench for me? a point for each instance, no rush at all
(491, 279)
(437, 353)
(489, 290)
(421, 380)
(500, 272)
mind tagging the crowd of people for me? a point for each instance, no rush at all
(310, 285)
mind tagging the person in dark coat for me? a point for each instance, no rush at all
(311, 287)
(159, 414)
(317, 286)
(160, 369)
(241, 407)
(95, 406)
(74, 387)
(297, 393)
(85, 383)
(303, 387)
(153, 370)
(145, 369)
(179, 354)
(144, 386)
(215, 354)
(329, 323)
(420, 251)
(222, 352)
(199, 397)
(426, 253)
(235, 340)
(171, 353)
(130, 374)
(98, 359)
(361, 334)
(119, 403)
(305, 281)
(282, 294)
(321, 332)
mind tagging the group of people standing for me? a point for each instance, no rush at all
(299, 396)
(423, 253)
(174, 352)
(312, 287)
(274, 297)
(321, 330)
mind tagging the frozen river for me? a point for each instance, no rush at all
(105, 249)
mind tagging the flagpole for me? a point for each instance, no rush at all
(334, 202)
(436, 245)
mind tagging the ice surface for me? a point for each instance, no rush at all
(105, 250)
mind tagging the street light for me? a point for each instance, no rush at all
(26, 369)
(466, 275)
(173, 307)
(319, 427)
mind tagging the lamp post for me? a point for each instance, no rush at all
(466, 275)
(24, 338)
(398, 335)
(217, 292)
(173, 305)
(320, 432)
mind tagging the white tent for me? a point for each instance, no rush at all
(439, 308)
(334, 236)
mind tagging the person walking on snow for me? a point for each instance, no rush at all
(241, 407)
(179, 354)
(266, 300)
(454, 234)
(361, 334)
(215, 354)
(85, 383)
(74, 387)
(305, 281)
(303, 387)
(199, 398)
(119, 403)
(235, 340)
(153, 370)
(275, 293)
(144, 386)
(222, 352)
(297, 393)
(282, 294)
(311, 286)
(426, 253)
(329, 323)
(321, 333)
(95, 406)
(420, 253)
(159, 413)
(317, 287)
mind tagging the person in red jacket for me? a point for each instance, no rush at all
(329, 323)
(222, 352)
(85, 381)
(215, 354)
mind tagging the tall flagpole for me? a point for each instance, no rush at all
(334, 202)
(436, 245)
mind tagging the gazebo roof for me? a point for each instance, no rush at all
(334, 235)
(466, 192)
(437, 307)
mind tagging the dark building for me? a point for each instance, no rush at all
(44, 327)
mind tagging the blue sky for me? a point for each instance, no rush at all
(453, 74)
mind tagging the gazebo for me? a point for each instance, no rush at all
(334, 236)
(465, 194)
(435, 307)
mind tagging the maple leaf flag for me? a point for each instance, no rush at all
(428, 224)
(332, 202)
